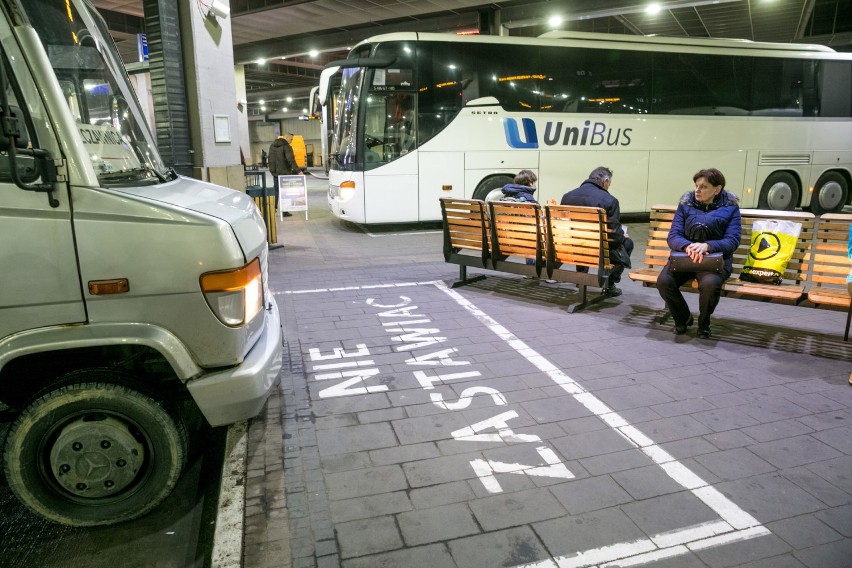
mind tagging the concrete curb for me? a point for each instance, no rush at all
(230, 516)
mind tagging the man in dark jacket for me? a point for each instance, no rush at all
(594, 192)
(282, 162)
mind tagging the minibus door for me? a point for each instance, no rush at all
(39, 280)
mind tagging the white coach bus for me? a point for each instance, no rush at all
(422, 116)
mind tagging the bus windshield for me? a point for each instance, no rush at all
(97, 92)
(344, 142)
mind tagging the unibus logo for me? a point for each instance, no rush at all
(558, 133)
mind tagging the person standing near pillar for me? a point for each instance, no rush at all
(282, 162)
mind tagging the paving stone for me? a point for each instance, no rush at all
(346, 462)
(399, 454)
(838, 518)
(356, 439)
(436, 524)
(671, 512)
(517, 508)
(368, 481)
(370, 506)
(555, 409)
(632, 397)
(433, 556)
(616, 461)
(783, 561)
(592, 443)
(644, 482)
(583, 495)
(439, 470)
(736, 553)
(804, 531)
(429, 428)
(777, 430)
(690, 447)
(368, 536)
(443, 494)
(792, 452)
(759, 495)
(826, 492)
(729, 439)
(512, 547)
(674, 428)
(722, 419)
(734, 464)
(838, 438)
(569, 535)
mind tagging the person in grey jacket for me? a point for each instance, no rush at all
(282, 162)
(707, 220)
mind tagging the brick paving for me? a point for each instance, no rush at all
(421, 426)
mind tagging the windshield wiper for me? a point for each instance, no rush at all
(133, 173)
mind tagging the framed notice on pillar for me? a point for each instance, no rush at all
(292, 194)
(221, 128)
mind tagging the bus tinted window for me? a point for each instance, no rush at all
(835, 88)
(777, 87)
(690, 83)
(443, 72)
(596, 80)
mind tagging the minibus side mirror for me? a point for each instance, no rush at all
(25, 164)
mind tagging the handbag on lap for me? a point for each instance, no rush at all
(681, 262)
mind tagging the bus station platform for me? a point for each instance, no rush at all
(418, 425)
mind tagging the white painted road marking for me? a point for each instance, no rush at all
(735, 524)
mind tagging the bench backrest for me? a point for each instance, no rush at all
(516, 230)
(466, 226)
(657, 252)
(830, 255)
(577, 235)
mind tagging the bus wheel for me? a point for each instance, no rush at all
(780, 192)
(492, 188)
(830, 193)
(94, 453)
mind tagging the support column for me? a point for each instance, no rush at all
(192, 82)
(171, 119)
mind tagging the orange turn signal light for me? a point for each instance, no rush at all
(229, 280)
(112, 286)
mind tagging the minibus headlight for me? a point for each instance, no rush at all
(235, 296)
(347, 190)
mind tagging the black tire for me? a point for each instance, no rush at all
(830, 193)
(94, 453)
(488, 190)
(780, 192)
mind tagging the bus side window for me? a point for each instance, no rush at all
(835, 88)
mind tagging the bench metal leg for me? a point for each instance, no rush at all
(463, 279)
(848, 321)
(573, 308)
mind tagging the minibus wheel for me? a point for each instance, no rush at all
(93, 452)
(830, 193)
(780, 192)
(491, 189)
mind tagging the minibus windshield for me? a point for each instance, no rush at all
(99, 96)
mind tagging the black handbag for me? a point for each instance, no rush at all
(680, 262)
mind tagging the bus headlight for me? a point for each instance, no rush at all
(234, 296)
(347, 190)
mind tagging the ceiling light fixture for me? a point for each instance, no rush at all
(653, 9)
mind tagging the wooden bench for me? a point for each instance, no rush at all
(792, 288)
(578, 236)
(830, 265)
(506, 234)
(466, 236)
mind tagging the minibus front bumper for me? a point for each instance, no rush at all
(239, 393)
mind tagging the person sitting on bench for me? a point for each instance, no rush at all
(707, 220)
(594, 192)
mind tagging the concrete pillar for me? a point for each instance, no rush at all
(242, 112)
(211, 95)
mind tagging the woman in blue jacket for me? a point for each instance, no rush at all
(707, 220)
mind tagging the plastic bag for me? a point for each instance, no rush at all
(772, 247)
